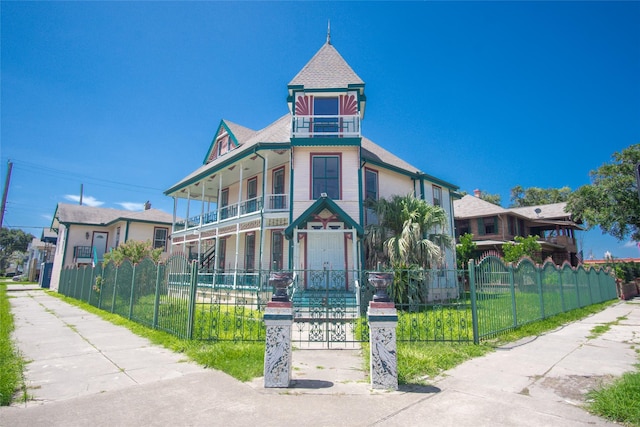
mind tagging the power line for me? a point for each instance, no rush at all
(65, 174)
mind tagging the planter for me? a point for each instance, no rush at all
(381, 280)
(280, 280)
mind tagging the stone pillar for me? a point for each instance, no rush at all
(383, 320)
(278, 318)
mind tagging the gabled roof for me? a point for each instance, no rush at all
(473, 207)
(551, 214)
(89, 215)
(277, 132)
(236, 133)
(550, 211)
(326, 70)
(321, 204)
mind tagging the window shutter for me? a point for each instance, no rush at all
(481, 230)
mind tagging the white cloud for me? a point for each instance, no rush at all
(131, 206)
(86, 200)
(630, 244)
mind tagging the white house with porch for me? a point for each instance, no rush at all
(291, 196)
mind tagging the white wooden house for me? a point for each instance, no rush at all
(291, 196)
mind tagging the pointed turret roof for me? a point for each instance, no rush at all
(326, 70)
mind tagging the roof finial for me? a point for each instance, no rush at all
(328, 31)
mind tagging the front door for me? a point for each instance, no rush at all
(326, 263)
(99, 244)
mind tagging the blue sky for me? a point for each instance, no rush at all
(124, 98)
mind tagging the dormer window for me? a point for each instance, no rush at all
(224, 144)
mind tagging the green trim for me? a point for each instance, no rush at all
(110, 223)
(64, 253)
(360, 189)
(213, 143)
(315, 142)
(291, 181)
(317, 207)
(278, 317)
(383, 318)
(415, 175)
(126, 231)
(228, 162)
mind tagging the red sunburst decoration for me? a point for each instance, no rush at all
(348, 105)
(303, 105)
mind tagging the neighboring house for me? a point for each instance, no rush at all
(86, 233)
(40, 251)
(291, 196)
(492, 226)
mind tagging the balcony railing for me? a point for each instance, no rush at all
(272, 203)
(325, 126)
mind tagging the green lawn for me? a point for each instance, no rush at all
(10, 360)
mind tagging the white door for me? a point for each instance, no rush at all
(99, 244)
(326, 261)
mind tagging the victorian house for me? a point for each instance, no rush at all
(291, 196)
(492, 226)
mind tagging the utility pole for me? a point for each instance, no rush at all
(638, 177)
(5, 192)
(81, 191)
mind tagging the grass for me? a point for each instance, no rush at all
(11, 379)
(620, 401)
(417, 362)
(242, 360)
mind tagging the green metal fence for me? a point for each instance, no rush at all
(489, 298)
(505, 296)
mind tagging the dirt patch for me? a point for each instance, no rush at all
(575, 387)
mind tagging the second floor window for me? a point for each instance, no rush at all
(325, 176)
(160, 238)
(437, 196)
(488, 225)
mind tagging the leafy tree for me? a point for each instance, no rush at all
(133, 250)
(523, 246)
(408, 233)
(465, 250)
(11, 241)
(611, 201)
(532, 196)
(491, 198)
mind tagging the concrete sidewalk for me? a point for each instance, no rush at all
(85, 371)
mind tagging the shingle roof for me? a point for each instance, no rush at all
(372, 151)
(550, 211)
(469, 207)
(82, 214)
(327, 69)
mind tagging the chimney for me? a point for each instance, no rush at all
(477, 193)
(147, 205)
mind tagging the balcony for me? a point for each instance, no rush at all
(82, 254)
(243, 209)
(325, 126)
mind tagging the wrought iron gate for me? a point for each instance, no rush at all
(328, 308)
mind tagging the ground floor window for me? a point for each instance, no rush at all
(250, 251)
(276, 250)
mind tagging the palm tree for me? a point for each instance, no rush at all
(409, 232)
